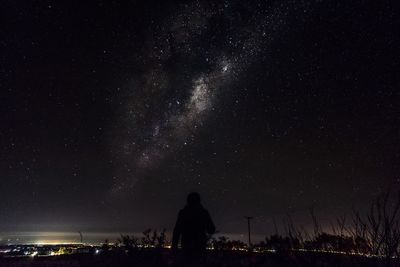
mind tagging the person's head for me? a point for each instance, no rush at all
(193, 199)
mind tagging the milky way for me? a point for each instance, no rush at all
(112, 111)
(167, 107)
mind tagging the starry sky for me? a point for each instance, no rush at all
(112, 111)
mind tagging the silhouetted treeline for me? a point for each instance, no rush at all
(367, 239)
(374, 233)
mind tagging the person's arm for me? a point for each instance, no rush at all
(210, 227)
(177, 232)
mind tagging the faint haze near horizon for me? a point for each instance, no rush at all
(93, 238)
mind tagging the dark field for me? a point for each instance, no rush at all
(166, 258)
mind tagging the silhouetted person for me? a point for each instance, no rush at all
(193, 225)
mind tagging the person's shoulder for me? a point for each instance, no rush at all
(181, 212)
(205, 211)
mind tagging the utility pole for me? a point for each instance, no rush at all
(81, 236)
(248, 218)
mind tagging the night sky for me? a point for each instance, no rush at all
(111, 112)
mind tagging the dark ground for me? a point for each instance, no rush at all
(165, 258)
